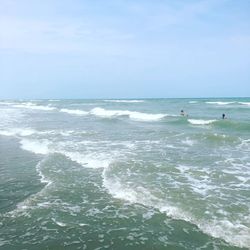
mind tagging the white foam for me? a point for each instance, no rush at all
(138, 116)
(88, 160)
(43, 178)
(74, 111)
(125, 101)
(201, 122)
(193, 102)
(235, 233)
(36, 146)
(25, 132)
(18, 131)
(118, 191)
(6, 103)
(69, 132)
(33, 106)
(245, 103)
(220, 103)
(188, 142)
(61, 224)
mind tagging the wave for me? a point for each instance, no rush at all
(235, 234)
(220, 103)
(233, 125)
(54, 100)
(7, 103)
(36, 146)
(125, 101)
(33, 106)
(25, 132)
(245, 103)
(87, 160)
(201, 122)
(18, 132)
(74, 111)
(43, 178)
(133, 115)
(45, 147)
(228, 103)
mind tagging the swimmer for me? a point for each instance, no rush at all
(183, 113)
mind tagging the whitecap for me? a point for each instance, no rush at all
(245, 103)
(25, 132)
(134, 115)
(125, 101)
(36, 146)
(88, 160)
(234, 233)
(220, 103)
(200, 122)
(18, 132)
(74, 111)
(33, 106)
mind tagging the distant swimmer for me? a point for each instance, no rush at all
(224, 116)
(183, 113)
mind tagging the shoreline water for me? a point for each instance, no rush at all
(142, 174)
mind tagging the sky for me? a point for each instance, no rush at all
(124, 48)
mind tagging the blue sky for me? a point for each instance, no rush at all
(124, 48)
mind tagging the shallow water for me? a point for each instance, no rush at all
(125, 174)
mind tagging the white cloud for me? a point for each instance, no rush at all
(58, 36)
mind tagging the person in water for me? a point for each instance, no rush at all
(183, 113)
(224, 116)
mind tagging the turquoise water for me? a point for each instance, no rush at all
(125, 174)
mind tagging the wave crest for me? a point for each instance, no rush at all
(33, 106)
(201, 122)
(133, 115)
(74, 111)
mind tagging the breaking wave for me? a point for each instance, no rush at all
(236, 234)
(201, 122)
(245, 103)
(133, 115)
(125, 101)
(220, 103)
(74, 112)
(33, 106)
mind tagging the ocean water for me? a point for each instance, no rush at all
(125, 174)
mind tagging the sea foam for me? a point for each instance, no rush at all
(236, 234)
(33, 106)
(74, 112)
(200, 122)
(133, 115)
(36, 146)
(125, 101)
(220, 103)
(245, 103)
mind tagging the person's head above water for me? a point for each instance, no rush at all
(182, 113)
(223, 116)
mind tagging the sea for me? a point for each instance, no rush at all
(125, 174)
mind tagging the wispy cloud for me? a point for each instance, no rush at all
(57, 35)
